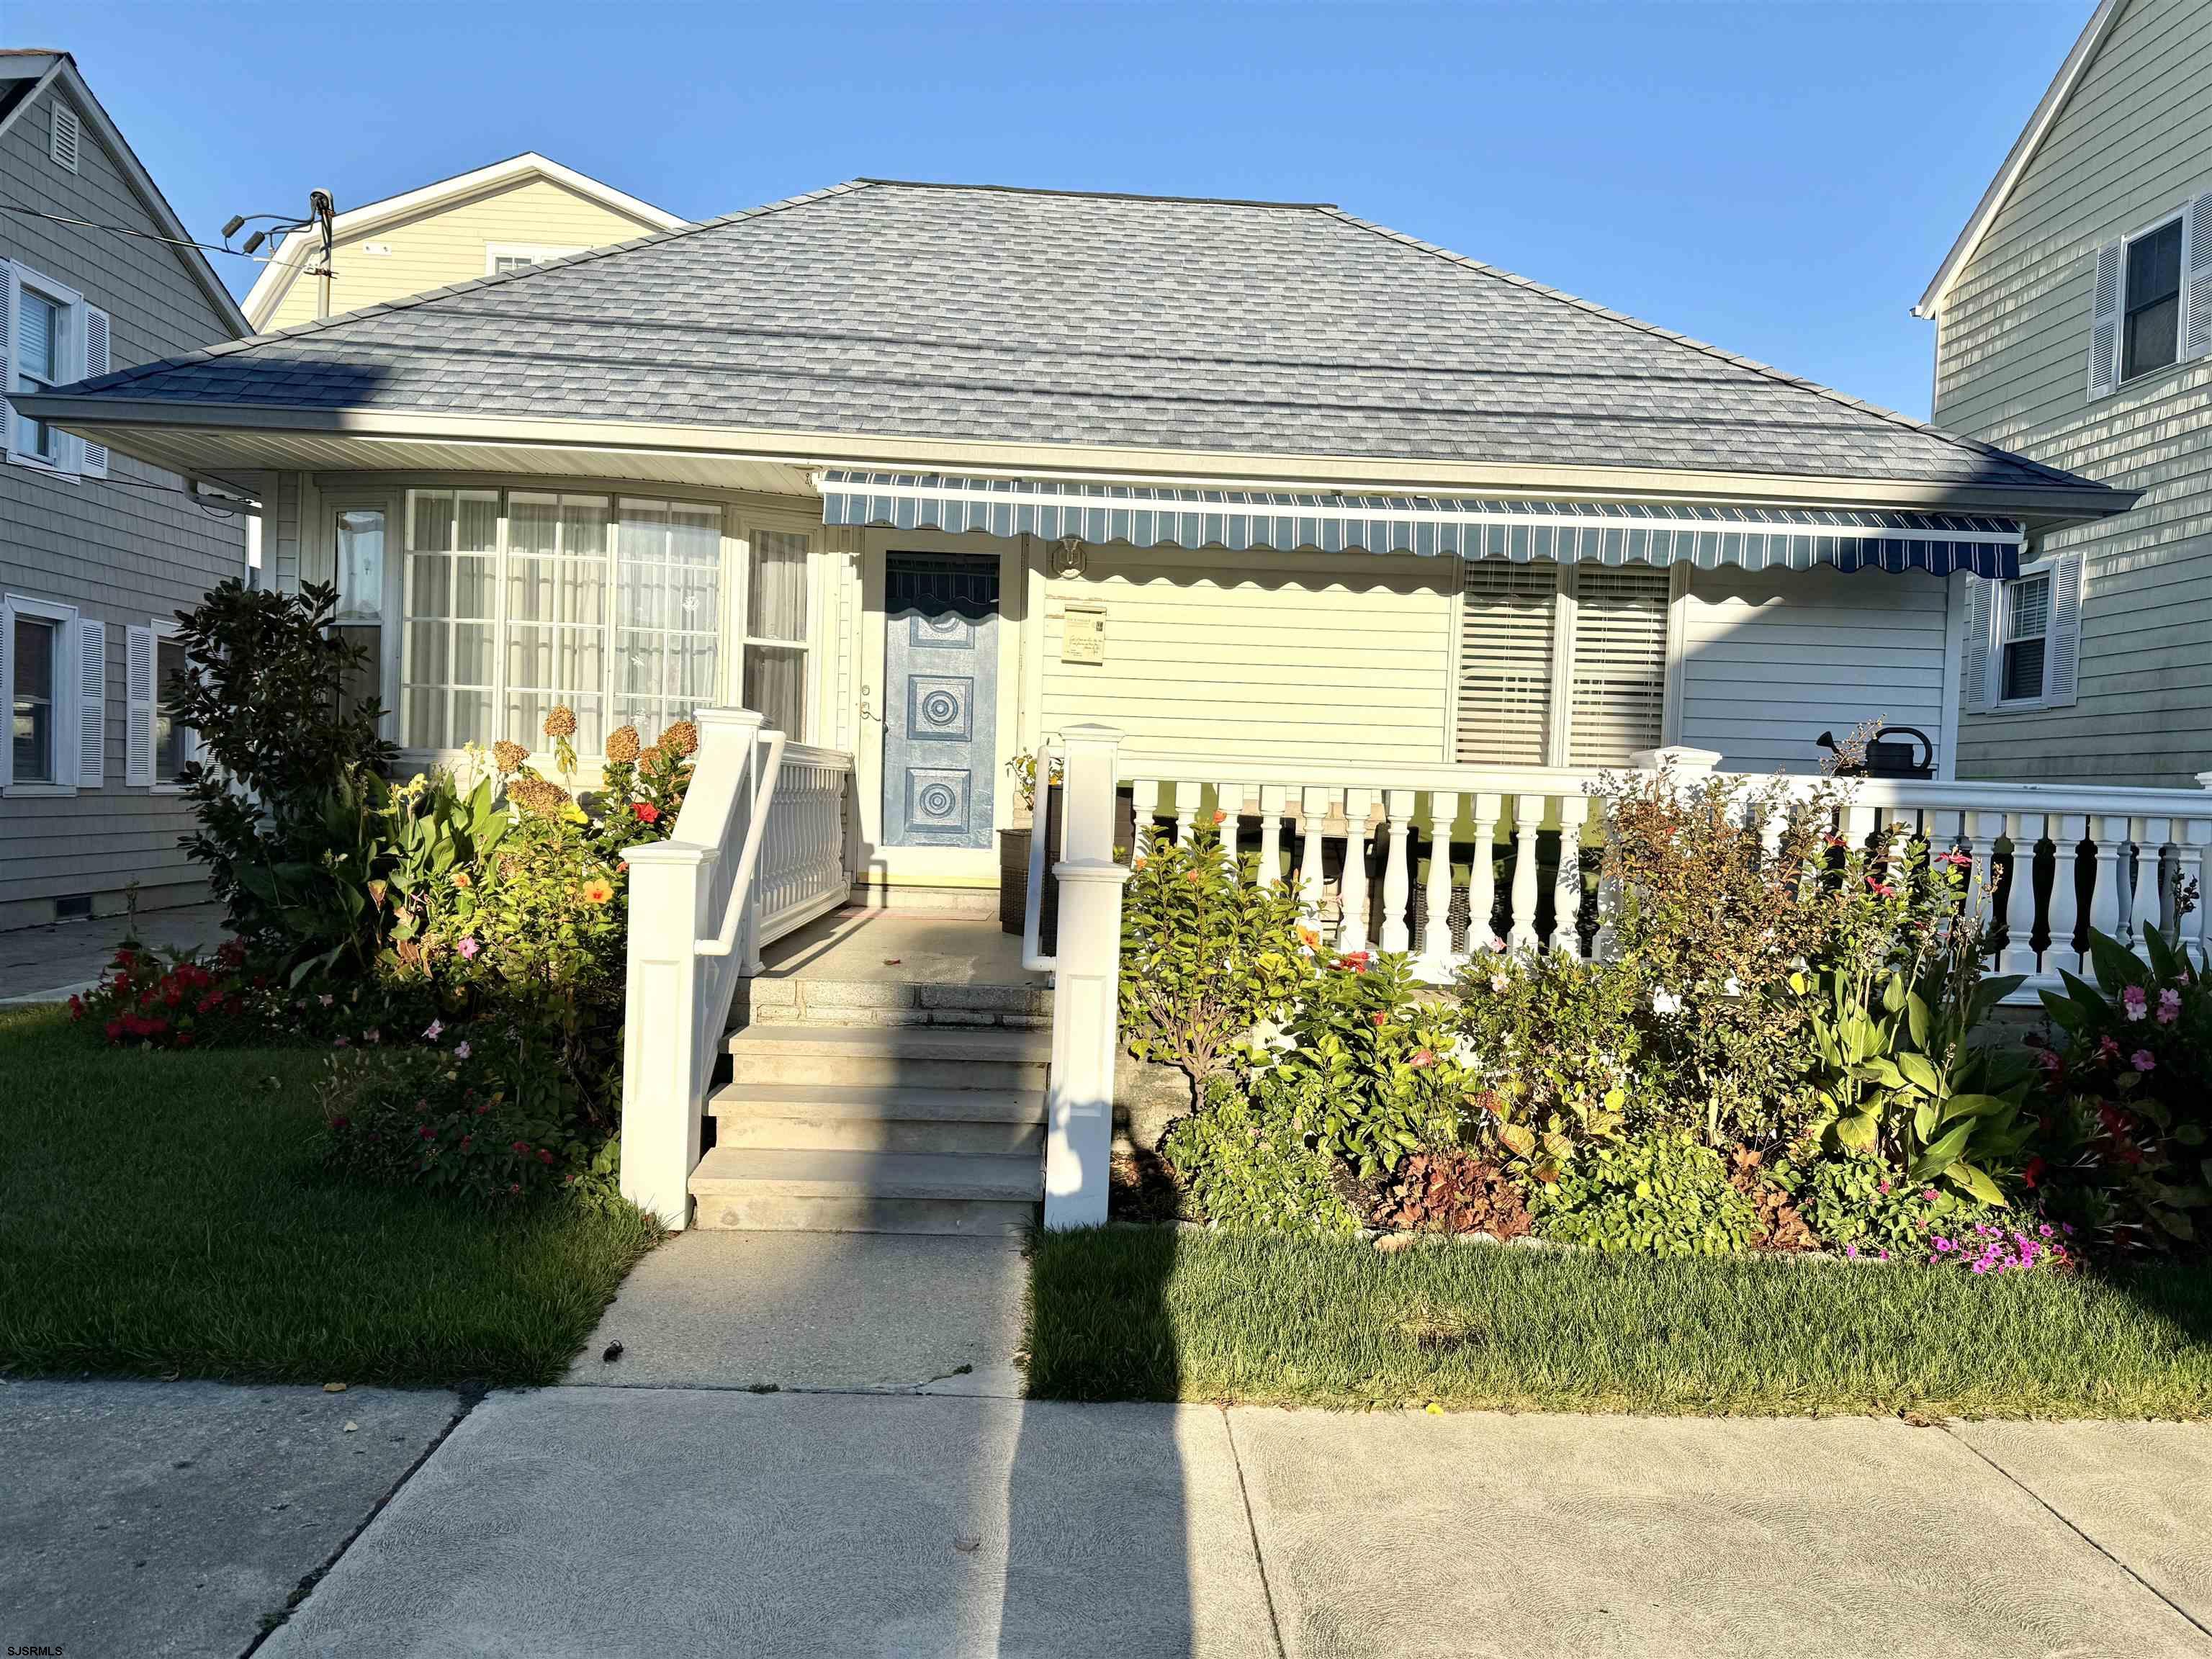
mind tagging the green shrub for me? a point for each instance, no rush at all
(1859, 1205)
(1206, 954)
(1664, 1194)
(1253, 1166)
(486, 1110)
(1555, 1046)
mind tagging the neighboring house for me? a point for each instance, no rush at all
(924, 473)
(519, 212)
(98, 548)
(2074, 324)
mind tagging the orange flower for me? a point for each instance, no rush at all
(461, 880)
(596, 889)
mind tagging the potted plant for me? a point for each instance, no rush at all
(1014, 844)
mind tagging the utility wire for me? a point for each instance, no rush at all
(125, 230)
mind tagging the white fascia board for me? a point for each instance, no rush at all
(2023, 151)
(291, 255)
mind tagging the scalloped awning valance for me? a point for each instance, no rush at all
(1146, 515)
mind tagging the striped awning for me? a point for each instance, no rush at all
(1142, 515)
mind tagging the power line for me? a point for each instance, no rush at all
(125, 230)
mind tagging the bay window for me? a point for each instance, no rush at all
(517, 600)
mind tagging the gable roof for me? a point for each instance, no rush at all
(985, 315)
(2047, 110)
(55, 74)
(285, 265)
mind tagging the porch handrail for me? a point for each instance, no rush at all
(733, 913)
(1035, 959)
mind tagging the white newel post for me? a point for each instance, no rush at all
(1087, 985)
(670, 886)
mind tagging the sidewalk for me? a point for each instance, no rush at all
(46, 964)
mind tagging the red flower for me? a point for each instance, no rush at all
(1380, 1018)
(2032, 1175)
(544, 1156)
(115, 1030)
(520, 1146)
(184, 1039)
(647, 811)
(340, 1122)
(427, 1132)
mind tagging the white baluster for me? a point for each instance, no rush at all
(1313, 807)
(1435, 935)
(1397, 877)
(1482, 879)
(2067, 834)
(1606, 942)
(2149, 837)
(1145, 802)
(1567, 891)
(1230, 799)
(1351, 931)
(2106, 900)
(1186, 795)
(1528, 814)
(1271, 834)
(2019, 955)
(1944, 828)
(2189, 836)
(1859, 824)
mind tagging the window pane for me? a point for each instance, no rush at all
(775, 686)
(779, 587)
(2154, 336)
(1505, 661)
(2028, 608)
(34, 711)
(2154, 301)
(1616, 701)
(169, 738)
(2023, 670)
(2155, 266)
(667, 610)
(38, 345)
(361, 565)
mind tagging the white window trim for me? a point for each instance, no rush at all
(1558, 731)
(737, 629)
(165, 628)
(66, 463)
(535, 252)
(68, 698)
(1999, 611)
(2121, 377)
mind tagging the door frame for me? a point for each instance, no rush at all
(934, 866)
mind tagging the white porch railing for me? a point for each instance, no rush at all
(1517, 843)
(763, 845)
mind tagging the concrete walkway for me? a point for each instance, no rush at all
(46, 964)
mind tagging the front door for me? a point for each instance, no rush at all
(940, 699)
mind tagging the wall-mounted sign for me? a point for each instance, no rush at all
(1083, 633)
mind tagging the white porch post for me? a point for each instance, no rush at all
(663, 1069)
(1086, 987)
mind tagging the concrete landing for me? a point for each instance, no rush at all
(815, 1310)
(886, 968)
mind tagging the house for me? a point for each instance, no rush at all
(513, 213)
(1375, 552)
(2073, 324)
(98, 548)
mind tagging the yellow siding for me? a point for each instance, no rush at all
(1260, 653)
(445, 245)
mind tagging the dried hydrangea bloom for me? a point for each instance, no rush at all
(561, 722)
(681, 738)
(508, 756)
(538, 795)
(622, 745)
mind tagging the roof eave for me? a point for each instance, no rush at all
(2022, 152)
(2041, 506)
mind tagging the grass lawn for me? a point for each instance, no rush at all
(1143, 1314)
(166, 1213)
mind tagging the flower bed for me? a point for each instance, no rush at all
(1788, 1049)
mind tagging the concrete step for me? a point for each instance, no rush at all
(793, 1000)
(906, 1056)
(878, 1118)
(761, 1190)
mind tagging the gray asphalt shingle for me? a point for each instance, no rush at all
(962, 313)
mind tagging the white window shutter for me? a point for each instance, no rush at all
(92, 704)
(95, 363)
(2064, 653)
(6, 353)
(1506, 623)
(2196, 277)
(139, 731)
(1617, 675)
(2104, 326)
(1976, 644)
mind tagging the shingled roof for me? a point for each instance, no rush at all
(977, 314)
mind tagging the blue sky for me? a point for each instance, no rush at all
(1779, 179)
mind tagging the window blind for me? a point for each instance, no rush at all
(1617, 702)
(1507, 627)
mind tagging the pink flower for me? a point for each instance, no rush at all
(460, 1051)
(434, 1031)
(372, 1035)
(2142, 1062)
(338, 1043)
(468, 948)
(326, 999)
(2133, 1002)
(2169, 1005)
